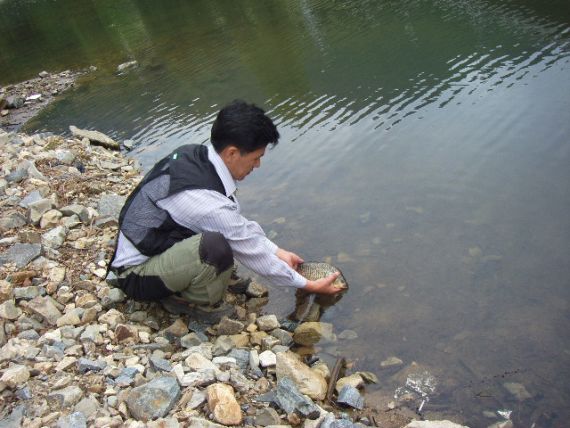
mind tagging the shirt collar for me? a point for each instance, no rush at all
(223, 172)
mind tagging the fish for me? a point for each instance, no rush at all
(317, 270)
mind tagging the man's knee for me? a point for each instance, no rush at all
(215, 251)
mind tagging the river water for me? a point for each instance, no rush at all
(425, 151)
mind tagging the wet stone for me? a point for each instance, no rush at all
(267, 322)
(391, 362)
(349, 396)
(254, 289)
(255, 304)
(310, 333)
(518, 390)
(284, 337)
(291, 400)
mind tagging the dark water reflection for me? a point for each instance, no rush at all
(425, 151)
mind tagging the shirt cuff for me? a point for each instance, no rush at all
(299, 281)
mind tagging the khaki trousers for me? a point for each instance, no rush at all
(181, 271)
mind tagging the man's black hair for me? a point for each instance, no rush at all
(244, 126)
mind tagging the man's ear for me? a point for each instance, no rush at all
(230, 152)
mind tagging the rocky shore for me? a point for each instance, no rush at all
(75, 352)
(22, 101)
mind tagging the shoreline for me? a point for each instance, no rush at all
(20, 102)
(74, 350)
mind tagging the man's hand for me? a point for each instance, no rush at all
(292, 259)
(323, 285)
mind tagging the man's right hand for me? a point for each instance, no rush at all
(323, 285)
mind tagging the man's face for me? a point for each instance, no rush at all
(241, 165)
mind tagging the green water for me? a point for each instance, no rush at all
(425, 151)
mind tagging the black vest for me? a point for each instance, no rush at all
(151, 229)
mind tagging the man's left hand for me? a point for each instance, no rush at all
(292, 259)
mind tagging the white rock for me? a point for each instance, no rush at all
(15, 375)
(267, 359)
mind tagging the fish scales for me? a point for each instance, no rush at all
(318, 270)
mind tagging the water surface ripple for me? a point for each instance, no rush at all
(425, 150)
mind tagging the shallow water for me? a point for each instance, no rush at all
(425, 151)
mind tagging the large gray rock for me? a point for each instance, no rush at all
(349, 396)
(154, 399)
(95, 137)
(20, 254)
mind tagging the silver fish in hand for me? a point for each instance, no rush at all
(317, 270)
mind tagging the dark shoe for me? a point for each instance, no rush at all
(205, 314)
(237, 284)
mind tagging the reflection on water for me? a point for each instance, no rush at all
(424, 151)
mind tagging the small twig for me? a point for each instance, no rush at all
(334, 377)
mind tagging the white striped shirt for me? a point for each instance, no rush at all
(207, 210)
